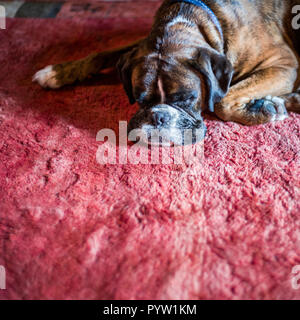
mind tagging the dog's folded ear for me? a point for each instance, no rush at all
(124, 67)
(217, 71)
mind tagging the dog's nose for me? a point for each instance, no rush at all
(160, 118)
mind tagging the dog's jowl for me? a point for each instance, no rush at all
(238, 59)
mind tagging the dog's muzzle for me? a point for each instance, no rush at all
(166, 125)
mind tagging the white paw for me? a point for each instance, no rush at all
(280, 108)
(46, 78)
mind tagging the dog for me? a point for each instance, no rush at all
(237, 58)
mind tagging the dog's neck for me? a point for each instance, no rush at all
(186, 25)
(207, 9)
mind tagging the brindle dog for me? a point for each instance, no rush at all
(239, 59)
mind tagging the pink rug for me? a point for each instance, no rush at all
(223, 228)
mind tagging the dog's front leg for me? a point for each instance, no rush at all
(59, 75)
(256, 100)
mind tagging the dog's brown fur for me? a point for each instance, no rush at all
(259, 44)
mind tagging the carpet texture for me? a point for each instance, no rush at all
(225, 227)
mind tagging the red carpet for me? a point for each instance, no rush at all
(223, 228)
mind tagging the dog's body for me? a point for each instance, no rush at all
(239, 59)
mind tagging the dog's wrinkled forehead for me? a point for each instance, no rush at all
(158, 80)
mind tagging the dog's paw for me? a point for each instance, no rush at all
(47, 78)
(268, 109)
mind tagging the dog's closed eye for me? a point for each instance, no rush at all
(184, 98)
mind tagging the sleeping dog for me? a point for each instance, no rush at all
(236, 58)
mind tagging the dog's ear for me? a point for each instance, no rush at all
(217, 71)
(124, 67)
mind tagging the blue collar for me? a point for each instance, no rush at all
(202, 5)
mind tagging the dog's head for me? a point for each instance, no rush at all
(173, 88)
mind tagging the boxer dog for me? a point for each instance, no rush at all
(236, 58)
